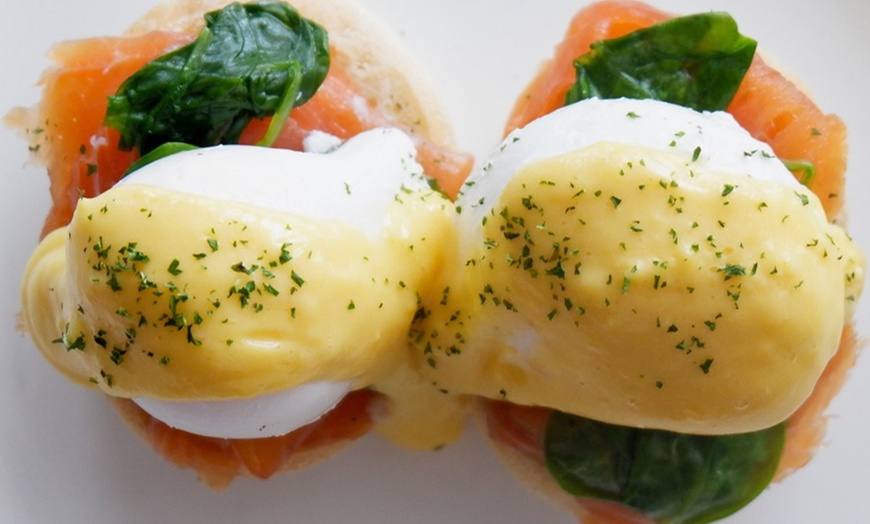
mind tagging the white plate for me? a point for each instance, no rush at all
(64, 457)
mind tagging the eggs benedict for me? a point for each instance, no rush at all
(243, 321)
(616, 260)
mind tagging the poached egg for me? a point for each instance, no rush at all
(240, 291)
(642, 264)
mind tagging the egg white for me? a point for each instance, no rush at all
(354, 183)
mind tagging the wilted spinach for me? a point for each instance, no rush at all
(696, 61)
(670, 477)
(249, 61)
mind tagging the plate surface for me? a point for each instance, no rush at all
(64, 456)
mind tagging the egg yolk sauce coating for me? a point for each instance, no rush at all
(642, 264)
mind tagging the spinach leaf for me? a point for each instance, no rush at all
(249, 61)
(161, 151)
(696, 61)
(670, 477)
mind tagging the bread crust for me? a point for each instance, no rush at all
(370, 53)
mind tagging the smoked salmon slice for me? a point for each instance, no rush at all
(599, 21)
(67, 127)
(82, 155)
(774, 110)
(218, 461)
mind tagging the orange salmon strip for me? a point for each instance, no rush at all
(218, 461)
(81, 156)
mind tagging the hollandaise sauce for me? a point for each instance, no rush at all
(639, 273)
(243, 274)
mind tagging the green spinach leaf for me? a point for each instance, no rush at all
(249, 61)
(696, 61)
(161, 151)
(670, 477)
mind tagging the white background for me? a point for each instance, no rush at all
(64, 457)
